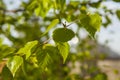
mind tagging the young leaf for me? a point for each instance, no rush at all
(37, 11)
(63, 34)
(91, 23)
(27, 49)
(44, 55)
(5, 51)
(63, 49)
(52, 24)
(43, 59)
(31, 5)
(50, 49)
(14, 63)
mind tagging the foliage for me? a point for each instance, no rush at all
(32, 56)
(14, 63)
(62, 35)
(91, 22)
(63, 49)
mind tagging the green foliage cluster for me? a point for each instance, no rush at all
(32, 57)
(91, 23)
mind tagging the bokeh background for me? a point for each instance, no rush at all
(19, 24)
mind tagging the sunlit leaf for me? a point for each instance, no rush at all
(37, 11)
(63, 49)
(27, 49)
(5, 51)
(43, 7)
(60, 4)
(96, 21)
(31, 5)
(63, 34)
(52, 24)
(14, 63)
(91, 23)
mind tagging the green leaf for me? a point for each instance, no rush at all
(91, 23)
(60, 4)
(14, 63)
(95, 4)
(50, 49)
(6, 74)
(5, 51)
(108, 21)
(101, 76)
(62, 35)
(32, 5)
(63, 49)
(96, 21)
(43, 59)
(44, 55)
(43, 7)
(52, 24)
(118, 14)
(37, 11)
(27, 49)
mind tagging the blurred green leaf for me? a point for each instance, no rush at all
(118, 14)
(50, 49)
(32, 5)
(51, 25)
(43, 7)
(6, 74)
(5, 51)
(43, 56)
(91, 23)
(95, 4)
(37, 11)
(101, 76)
(116, 0)
(14, 63)
(108, 21)
(63, 49)
(27, 49)
(60, 4)
(116, 71)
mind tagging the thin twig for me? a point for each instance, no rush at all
(45, 42)
(13, 11)
(72, 22)
(65, 25)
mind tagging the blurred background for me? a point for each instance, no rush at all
(89, 59)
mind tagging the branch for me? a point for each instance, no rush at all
(65, 25)
(13, 11)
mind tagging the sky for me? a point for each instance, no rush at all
(111, 33)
